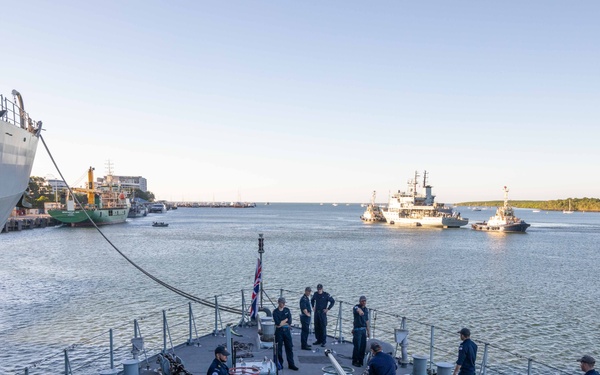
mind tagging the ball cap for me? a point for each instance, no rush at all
(221, 350)
(281, 300)
(587, 359)
(375, 346)
(362, 298)
(465, 332)
(320, 286)
(308, 289)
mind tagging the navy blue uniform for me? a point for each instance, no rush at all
(283, 336)
(304, 320)
(319, 303)
(592, 372)
(467, 353)
(359, 334)
(382, 364)
(217, 368)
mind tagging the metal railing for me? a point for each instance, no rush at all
(163, 331)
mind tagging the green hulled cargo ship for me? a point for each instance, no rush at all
(107, 204)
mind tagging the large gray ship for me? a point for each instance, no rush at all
(19, 135)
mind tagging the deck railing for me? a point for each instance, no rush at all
(163, 330)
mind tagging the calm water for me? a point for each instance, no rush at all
(536, 294)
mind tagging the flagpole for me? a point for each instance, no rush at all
(261, 250)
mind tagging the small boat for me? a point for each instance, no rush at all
(569, 211)
(373, 212)
(476, 209)
(504, 220)
(536, 211)
(160, 224)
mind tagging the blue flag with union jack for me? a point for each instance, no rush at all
(256, 290)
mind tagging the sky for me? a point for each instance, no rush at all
(300, 101)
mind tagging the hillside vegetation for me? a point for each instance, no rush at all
(577, 204)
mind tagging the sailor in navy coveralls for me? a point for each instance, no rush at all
(305, 313)
(319, 302)
(587, 363)
(218, 366)
(467, 353)
(360, 332)
(283, 337)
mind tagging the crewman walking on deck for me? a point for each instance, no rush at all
(305, 314)
(360, 332)
(321, 302)
(467, 353)
(218, 365)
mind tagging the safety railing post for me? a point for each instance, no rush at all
(529, 363)
(431, 344)
(112, 353)
(135, 328)
(216, 331)
(66, 363)
(244, 312)
(485, 357)
(190, 319)
(26, 370)
(339, 324)
(164, 331)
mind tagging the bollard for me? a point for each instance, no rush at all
(420, 364)
(131, 367)
(444, 368)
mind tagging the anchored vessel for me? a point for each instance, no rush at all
(373, 212)
(19, 136)
(504, 220)
(412, 208)
(107, 204)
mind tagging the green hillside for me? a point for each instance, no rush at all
(577, 204)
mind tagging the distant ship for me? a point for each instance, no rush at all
(19, 136)
(373, 212)
(504, 220)
(107, 204)
(417, 209)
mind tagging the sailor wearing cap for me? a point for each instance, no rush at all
(305, 313)
(218, 366)
(587, 363)
(467, 353)
(283, 337)
(321, 302)
(360, 332)
(381, 363)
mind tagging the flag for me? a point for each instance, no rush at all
(256, 290)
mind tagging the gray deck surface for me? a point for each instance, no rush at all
(198, 357)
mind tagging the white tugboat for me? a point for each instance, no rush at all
(373, 212)
(504, 220)
(411, 208)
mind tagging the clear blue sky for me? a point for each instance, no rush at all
(321, 101)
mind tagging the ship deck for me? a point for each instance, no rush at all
(198, 356)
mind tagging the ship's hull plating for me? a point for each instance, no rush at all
(17, 153)
(102, 216)
(393, 218)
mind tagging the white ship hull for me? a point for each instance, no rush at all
(393, 218)
(17, 153)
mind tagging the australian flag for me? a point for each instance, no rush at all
(256, 290)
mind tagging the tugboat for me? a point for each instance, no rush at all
(373, 212)
(417, 209)
(504, 220)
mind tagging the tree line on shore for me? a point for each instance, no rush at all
(577, 204)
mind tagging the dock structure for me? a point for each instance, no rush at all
(18, 223)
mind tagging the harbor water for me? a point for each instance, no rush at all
(535, 294)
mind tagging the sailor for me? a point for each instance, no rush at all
(321, 302)
(305, 313)
(360, 332)
(467, 353)
(283, 337)
(381, 363)
(218, 366)
(587, 363)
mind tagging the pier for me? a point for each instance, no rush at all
(18, 223)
